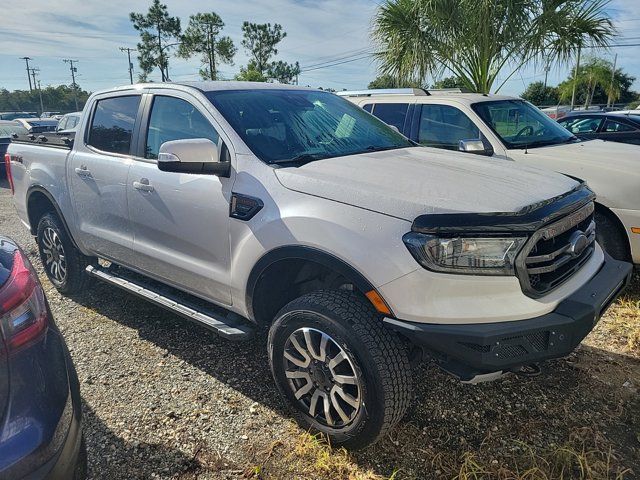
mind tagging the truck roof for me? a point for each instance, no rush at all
(210, 86)
(425, 96)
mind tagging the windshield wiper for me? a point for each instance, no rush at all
(302, 158)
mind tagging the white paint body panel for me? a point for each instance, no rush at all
(356, 208)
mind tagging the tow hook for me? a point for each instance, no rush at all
(531, 370)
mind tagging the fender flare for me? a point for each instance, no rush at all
(34, 228)
(301, 252)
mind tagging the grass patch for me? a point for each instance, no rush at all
(585, 455)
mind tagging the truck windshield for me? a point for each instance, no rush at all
(299, 126)
(521, 125)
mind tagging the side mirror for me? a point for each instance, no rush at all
(476, 146)
(194, 155)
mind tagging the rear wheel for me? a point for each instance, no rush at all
(611, 238)
(63, 263)
(340, 370)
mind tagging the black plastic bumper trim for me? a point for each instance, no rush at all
(487, 347)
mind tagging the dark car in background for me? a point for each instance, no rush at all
(7, 129)
(40, 432)
(613, 127)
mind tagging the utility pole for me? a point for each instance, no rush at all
(613, 77)
(40, 92)
(33, 74)
(129, 50)
(74, 87)
(575, 80)
(26, 59)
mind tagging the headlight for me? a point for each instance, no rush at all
(479, 256)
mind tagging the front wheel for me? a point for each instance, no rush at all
(340, 370)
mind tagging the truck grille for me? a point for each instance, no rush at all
(555, 252)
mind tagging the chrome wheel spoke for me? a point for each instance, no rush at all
(351, 400)
(317, 370)
(327, 410)
(314, 402)
(336, 405)
(345, 379)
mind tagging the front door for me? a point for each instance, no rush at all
(180, 221)
(97, 177)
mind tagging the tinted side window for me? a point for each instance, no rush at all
(581, 124)
(613, 126)
(391, 113)
(72, 122)
(443, 126)
(112, 124)
(368, 107)
(175, 119)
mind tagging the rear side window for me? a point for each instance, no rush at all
(581, 124)
(613, 126)
(368, 107)
(112, 124)
(175, 119)
(72, 122)
(391, 113)
(443, 126)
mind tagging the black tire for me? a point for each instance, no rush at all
(376, 355)
(80, 472)
(73, 278)
(611, 238)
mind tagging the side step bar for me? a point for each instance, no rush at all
(228, 324)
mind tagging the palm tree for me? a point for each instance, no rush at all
(476, 40)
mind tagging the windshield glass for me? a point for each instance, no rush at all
(282, 126)
(521, 125)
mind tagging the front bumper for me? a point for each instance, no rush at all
(468, 350)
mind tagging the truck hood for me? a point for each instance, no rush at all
(598, 153)
(413, 181)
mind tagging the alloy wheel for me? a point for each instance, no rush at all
(55, 259)
(322, 377)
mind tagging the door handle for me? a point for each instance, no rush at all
(143, 185)
(82, 171)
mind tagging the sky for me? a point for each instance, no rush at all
(330, 39)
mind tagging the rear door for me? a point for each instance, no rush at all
(97, 173)
(620, 130)
(180, 221)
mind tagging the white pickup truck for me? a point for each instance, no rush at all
(508, 128)
(239, 204)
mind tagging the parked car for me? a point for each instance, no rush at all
(605, 126)
(291, 208)
(68, 123)
(56, 115)
(40, 432)
(7, 129)
(15, 115)
(38, 125)
(508, 128)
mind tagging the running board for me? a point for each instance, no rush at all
(226, 324)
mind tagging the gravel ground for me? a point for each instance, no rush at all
(163, 398)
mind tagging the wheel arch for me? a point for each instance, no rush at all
(39, 202)
(291, 260)
(610, 214)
